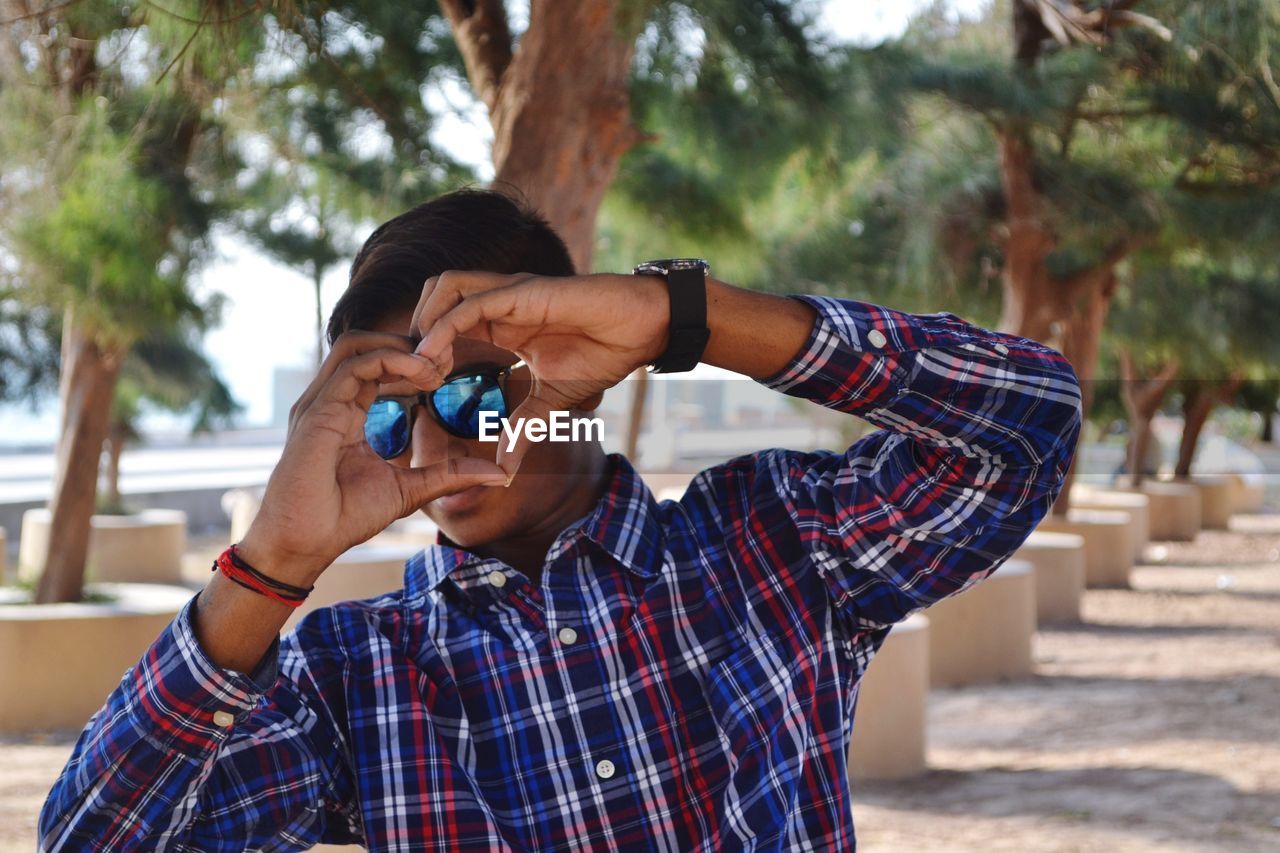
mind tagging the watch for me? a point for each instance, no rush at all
(687, 291)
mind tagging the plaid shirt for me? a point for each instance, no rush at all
(683, 679)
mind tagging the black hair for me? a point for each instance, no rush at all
(469, 229)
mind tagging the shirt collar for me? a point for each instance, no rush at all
(625, 523)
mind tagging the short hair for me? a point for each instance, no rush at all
(468, 229)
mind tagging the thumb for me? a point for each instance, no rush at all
(509, 457)
(419, 486)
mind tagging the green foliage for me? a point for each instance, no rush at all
(112, 170)
(168, 371)
(97, 249)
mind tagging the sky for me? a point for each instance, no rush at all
(269, 316)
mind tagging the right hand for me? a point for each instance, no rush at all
(330, 491)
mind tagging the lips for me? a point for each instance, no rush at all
(463, 501)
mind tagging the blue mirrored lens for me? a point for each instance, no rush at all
(386, 428)
(460, 402)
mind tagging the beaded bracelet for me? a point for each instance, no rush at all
(237, 570)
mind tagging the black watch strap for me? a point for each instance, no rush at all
(688, 333)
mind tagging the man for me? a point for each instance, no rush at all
(575, 666)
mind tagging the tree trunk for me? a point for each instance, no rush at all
(1065, 314)
(89, 374)
(1268, 428)
(635, 419)
(117, 437)
(317, 282)
(1201, 401)
(559, 104)
(1142, 399)
(1032, 301)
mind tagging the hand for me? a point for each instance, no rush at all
(579, 335)
(330, 491)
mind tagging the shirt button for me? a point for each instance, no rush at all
(568, 636)
(877, 338)
(222, 718)
(1002, 349)
(497, 578)
(605, 769)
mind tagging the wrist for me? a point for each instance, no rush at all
(259, 550)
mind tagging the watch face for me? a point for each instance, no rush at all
(662, 267)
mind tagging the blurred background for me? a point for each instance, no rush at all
(183, 186)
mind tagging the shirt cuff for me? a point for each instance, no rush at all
(176, 682)
(858, 357)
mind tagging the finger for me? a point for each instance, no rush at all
(441, 293)
(419, 486)
(350, 344)
(466, 319)
(357, 379)
(509, 459)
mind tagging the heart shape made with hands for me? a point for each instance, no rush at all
(579, 335)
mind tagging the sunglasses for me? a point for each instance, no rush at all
(456, 405)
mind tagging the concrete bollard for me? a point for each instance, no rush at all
(1174, 509)
(1249, 492)
(1059, 567)
(1217, 501)
(58, 662)
(888, 740)
(241, 507)
(1136, 506)
(984, 633)
(366, 571)
(143, 547)
(1108, 544)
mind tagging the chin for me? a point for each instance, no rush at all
(476, 523)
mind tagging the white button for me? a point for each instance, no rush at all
(605, 769)
(568, 636)
(877, 338)
(497, 578)
(1002, 349)
(222, 718)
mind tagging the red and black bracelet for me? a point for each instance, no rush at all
(237, 570)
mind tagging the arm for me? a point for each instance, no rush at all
(188, 755)
(979, 429)
(189, 751)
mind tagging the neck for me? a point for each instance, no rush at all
(527, 551)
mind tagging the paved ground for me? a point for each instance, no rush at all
(1155, 725)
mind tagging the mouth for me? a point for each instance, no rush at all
(463, 501)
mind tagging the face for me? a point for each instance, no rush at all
(484, 514)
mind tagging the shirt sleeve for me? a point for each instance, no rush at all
(186, 755)
(978, 431)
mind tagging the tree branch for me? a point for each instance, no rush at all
(484, 38)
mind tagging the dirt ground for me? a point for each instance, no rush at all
(1154, 725)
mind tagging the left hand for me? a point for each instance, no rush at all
(579, 335)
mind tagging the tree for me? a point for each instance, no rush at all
(1110, 124)
(108, 117)
(566, 95)
(165, 370)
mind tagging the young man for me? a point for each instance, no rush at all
(574, 666)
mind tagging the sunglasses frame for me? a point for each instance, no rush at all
(426, 399)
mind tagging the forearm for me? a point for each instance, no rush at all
(136, 766)
(236, 626)
(755, 334)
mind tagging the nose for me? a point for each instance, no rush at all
(430, 442)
